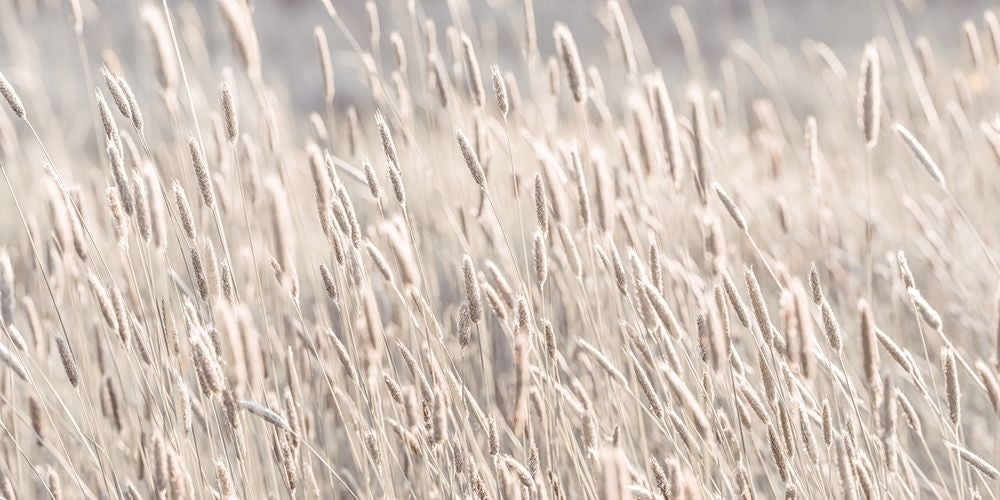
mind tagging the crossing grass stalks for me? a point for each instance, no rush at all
(288, 331)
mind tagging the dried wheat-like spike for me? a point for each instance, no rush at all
(472, 71)
(619, 269)
(925, 309)
(372, 179)
(500, 90)
(904, 270)
(268, 415)
(541, 210)
(229, 111)
(201, 173)
(777, 453)
(865, 481)
(647, 389)
(163, 54)
(621, 32)
(831, 326)
(135, 112)
(69, 364)
(976, 461)
(952, 390)
(920, 153)
(571, 62)
(54, 484)
(990, 383)
(550, 339)
(471, 159)
(117, 93)
(869, 344)
(734, 299)
(734, 211)
(663, 310)
(122, 316)
(827, 423)
(238, 18)
(13, 100)
(604, 361)
(973, 44)
(472, 292)
(894, 350)
(540, 258)
(328, 282)
(380, 263)
(12, 362)
(184, 211)
(325, 63)
(143, 217)
(815, 286)
(388, 144)
(871, 95)
(759, 306)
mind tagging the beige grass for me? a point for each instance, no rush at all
(206, 293)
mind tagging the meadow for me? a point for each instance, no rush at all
(499, 264)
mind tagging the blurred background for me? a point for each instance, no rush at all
(285, 31)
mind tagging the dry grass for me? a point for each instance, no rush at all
(209, 294)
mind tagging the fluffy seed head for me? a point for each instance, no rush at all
(758, 305)
(229, 111)
(472, 292)
(977, 461)
(471, 159)
(166, 63)
(69, 364)
(920, 153)
(7, 90)
(371, 178)
(541, 209)
(388, 144)
(472, 71)
(201, 172)
(831, 326)
(952, 390)
(815, 286)
(325, 63)
(500, 90)
(734, 211)
(622, 34)
(540, 258)
(871, 96)
(571, 62)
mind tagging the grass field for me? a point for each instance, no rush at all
(476, 249)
